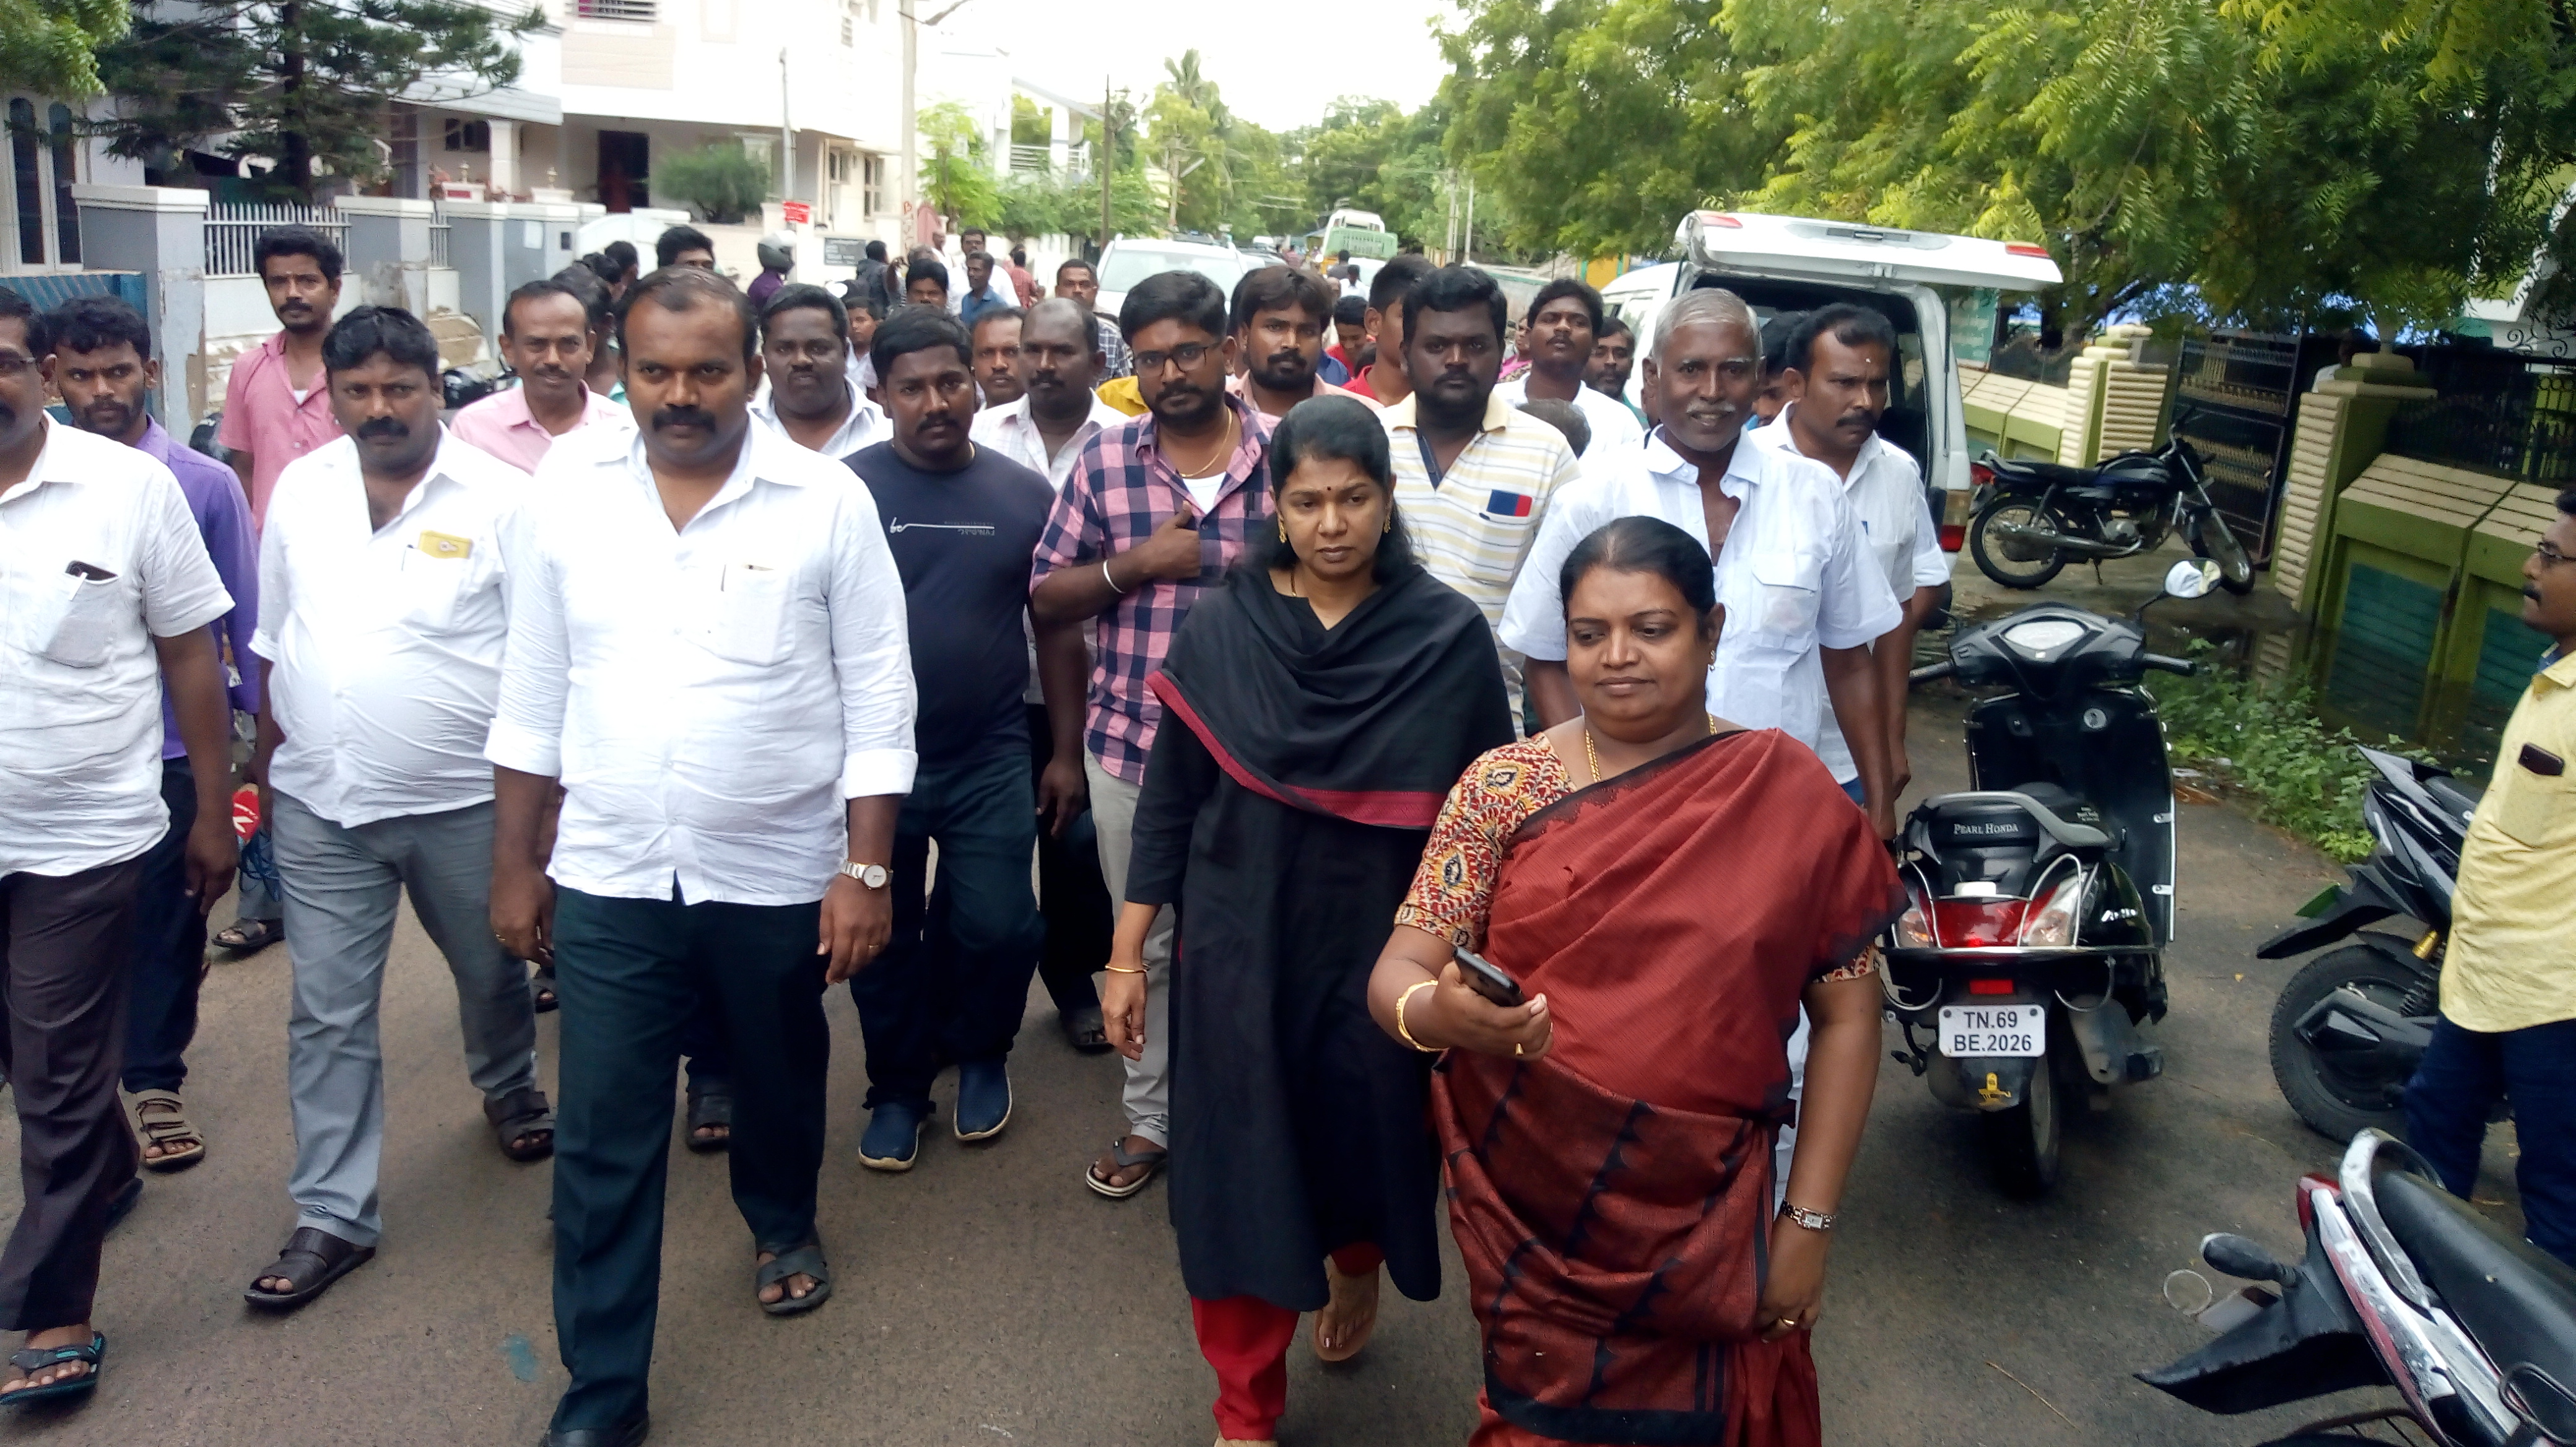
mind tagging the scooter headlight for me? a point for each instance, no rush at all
(2053, 922)
(1913, 931)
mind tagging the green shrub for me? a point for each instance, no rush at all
(2267, 744)
(721, 180)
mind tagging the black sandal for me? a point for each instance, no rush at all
(542, 989)
(312, 1260)
(805, 1260)
(36, 1359)
(1084, 1030)
(710, 1108)
(515, 1117)
(249, 936)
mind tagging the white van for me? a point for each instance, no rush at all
(1793, 263)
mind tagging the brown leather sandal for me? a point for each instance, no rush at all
(161, 1121)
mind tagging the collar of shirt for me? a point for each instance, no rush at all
(1251, 444)
(1400, 416)
(1874, 452)
(865, 424)
(1013, 430)
(2559, 669)
(1235, 386)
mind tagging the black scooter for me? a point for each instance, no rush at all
(2351, 1025)
(2033, 518)
(2041, 902)
(2401, 1285)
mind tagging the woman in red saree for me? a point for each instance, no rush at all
(1667, 889)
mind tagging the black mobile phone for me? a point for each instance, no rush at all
(1487, 979)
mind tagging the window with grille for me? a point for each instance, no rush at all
(643, 11)
(872, 174)
(464, 135)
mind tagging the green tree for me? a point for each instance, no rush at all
(955, 179)
(50, 46)
(1372, 155)
(721, 179)
(303, 83)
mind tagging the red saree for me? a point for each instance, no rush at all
(1613, 1201)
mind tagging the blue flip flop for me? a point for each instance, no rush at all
(36, 1359)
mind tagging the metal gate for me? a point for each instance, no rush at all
(2236, 397)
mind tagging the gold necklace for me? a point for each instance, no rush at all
(1224, 448)
(1592, 756)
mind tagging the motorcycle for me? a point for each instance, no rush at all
(2040, 902)
(2033, 518)
(2351, 1024)
(2401, 1285)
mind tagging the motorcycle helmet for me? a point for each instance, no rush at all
(777, 251)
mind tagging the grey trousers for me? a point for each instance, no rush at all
(1149, 1081)
(343, 887)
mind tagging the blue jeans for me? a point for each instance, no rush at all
(169, 948)
(953, 982)
(1859, 794)
(2462, 1076)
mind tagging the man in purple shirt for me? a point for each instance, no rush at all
(104, 368)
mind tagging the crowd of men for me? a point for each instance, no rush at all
(665, 670)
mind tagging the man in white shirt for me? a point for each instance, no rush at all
(1802, 600)
(1837, 366)
(1060, 364)
(383, 612)
(105, 591)
(708, 648)
(805, 357)
(1563, 320)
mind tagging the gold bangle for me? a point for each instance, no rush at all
(1122, 969)
(1406, 999)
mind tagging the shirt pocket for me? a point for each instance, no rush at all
(747, 619)
(429, 589)
(1787, 588)
(2533, 806)
(74, 617)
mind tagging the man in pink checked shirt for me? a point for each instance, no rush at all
(276, 407)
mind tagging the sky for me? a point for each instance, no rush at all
(1280, 66)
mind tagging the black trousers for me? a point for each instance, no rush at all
(632, 973)
(169, 948)
(64, 974)
(1071, 896)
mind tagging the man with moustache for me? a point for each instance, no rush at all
(1564, 322)
(925, 283)
(546, 339)
(984, 291)
(804, 355)
(1278, 316)
(1383, 381)
(997, 355)
(1155, 511)
(1838, 362)
(684, 246)
(962, 522)
(1077, 281)
(707, 646)
(383, 611)
(1474, 476)
(106, 593)
(1614, 361)
(104, 369)
(277, 409)
(1045, 431)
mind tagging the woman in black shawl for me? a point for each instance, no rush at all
(1317, 709)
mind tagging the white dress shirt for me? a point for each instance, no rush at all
(99, 555)
(384, 644)
(1615, 429)
(709, 697)
(1885, 487)
(865, 426)
(1793, 576)
(1012, 432)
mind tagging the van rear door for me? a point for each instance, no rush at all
(1800, 249)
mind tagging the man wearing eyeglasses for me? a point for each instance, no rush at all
(1154, 513)
(2507, 1030)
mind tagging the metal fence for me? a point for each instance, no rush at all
(438, 241)
(2236, 397)
(2498, 413)
(233, 228)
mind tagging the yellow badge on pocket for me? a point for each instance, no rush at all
(445, 545)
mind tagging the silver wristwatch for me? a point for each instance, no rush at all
(1812, 1220)
(872, 875)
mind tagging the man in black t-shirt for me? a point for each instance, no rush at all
(962, 522)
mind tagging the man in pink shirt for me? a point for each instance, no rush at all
(545, 337)
(277, 407)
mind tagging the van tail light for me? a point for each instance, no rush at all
(1724, 222)
(2053, 922)
(1974, 923)
(1954, 536)
(2025, 248)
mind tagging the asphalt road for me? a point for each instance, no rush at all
(987, 1298)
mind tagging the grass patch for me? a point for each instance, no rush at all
(2268, 747)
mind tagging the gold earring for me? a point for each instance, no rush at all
(1389, 525)
(1283, 530)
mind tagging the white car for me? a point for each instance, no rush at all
(1129, 260)
(1794, 263)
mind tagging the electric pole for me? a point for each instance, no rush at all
(1107, 158)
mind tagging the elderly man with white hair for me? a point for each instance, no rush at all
(1802, 599)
